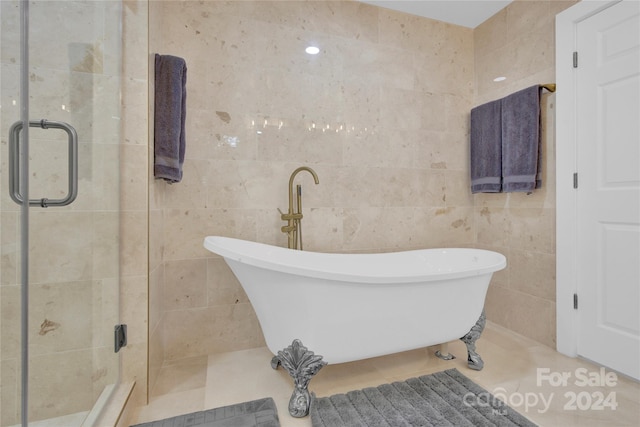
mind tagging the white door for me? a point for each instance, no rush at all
(608, 193)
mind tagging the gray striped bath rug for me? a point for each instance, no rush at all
(445, 398)
(258, 413)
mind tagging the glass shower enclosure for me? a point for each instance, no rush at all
(60, 68)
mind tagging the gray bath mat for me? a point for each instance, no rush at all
(262, 413)
(445, 398)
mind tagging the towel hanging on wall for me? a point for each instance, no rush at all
(505, 144)
(486, 148)
(169, 117)
(521, 154)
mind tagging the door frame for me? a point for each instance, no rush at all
(566, 196)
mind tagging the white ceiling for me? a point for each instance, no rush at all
(467, 13)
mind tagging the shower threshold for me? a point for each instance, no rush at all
(72, 420)
(106, 410)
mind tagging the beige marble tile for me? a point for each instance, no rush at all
(410, 188)
(9, 379)
(352, 20)
(185, 284)
(135, 196)
(231, 369)
(322, 230)
(192, 190)
(457, 188)
(244, 184)
(222, 285)
(156, 354)
(493, 226)
(526, 16)
(135, 25)
(453, 75)
(516, 369)
(291, 140)
(521, 312)
(532, 229)
(182, 375)
(187, 228)
(9, 99)
(134, 307)
(156, 238)
(9, 221)
(411, 32)
(533, 273)
(61, 239)
(133, 249)
(156, 297)
(458, 107)
(389, 228)
(198, 331)
(134, 366)
(61, 24)
(105, 304)
(61, 383)
(105, 238)
(408, 109)
(356, 186)
(105, 368)
(54, 312)
(490, 33)
(135, 98)
(170, 405)
(450, 226)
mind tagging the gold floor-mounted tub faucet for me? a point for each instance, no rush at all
(294, 218)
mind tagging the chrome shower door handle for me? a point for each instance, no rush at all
(14, 163)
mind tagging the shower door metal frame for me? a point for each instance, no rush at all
(24, 212)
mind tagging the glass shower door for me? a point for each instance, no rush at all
(73, 79)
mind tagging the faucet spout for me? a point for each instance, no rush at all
(293, 175)
(292, 217)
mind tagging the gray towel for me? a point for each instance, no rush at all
(170, 114)
(521, 155)
(486, 148)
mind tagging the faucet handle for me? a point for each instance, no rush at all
(290, 215)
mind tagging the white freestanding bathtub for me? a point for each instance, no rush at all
(347, 307)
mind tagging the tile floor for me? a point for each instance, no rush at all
(526, 374)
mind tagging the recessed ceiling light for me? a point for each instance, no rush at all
(312, 50)
(500, 79)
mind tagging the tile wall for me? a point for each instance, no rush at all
(519, 43)
(381, 114)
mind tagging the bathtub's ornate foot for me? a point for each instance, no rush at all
(474, 360)
(302, 365)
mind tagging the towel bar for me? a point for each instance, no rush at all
(551, 87)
